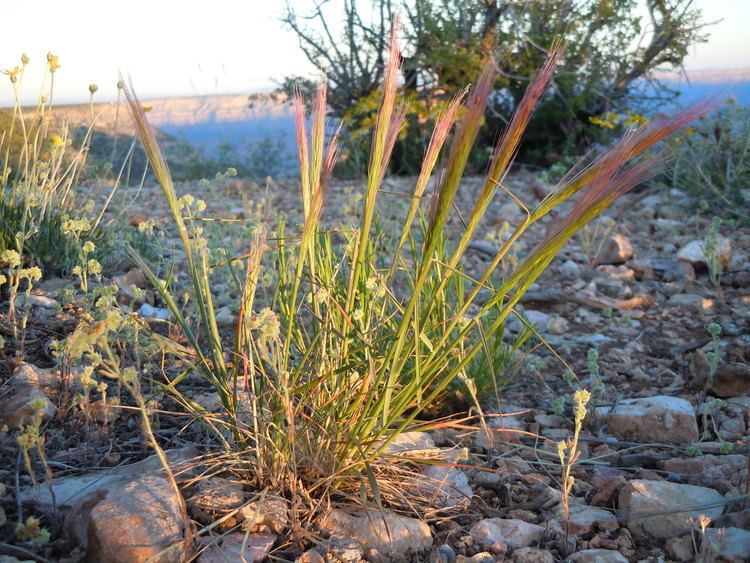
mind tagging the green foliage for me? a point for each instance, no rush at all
(613, 47)
(712, 162)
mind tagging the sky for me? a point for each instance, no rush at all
(197, 47)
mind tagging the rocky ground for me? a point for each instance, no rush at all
(624, 311)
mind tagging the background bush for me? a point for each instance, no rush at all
(613, 47)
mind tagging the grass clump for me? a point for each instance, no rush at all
(355, 340)
(712, 161)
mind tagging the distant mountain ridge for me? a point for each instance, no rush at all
(708, 76)
(213, 120)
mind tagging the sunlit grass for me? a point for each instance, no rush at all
(356, 344)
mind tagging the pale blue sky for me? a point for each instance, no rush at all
(185, 47)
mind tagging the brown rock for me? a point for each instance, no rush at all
(607, 490)
(125, 293)
(583, 519)
(269, 514)
(732, 377)
(615, 250)
(18, 408)
(216, 494)
(137, 522)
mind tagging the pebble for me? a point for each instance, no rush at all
(18, 408)
(616, 249)
(570, 269)
(514, 533)
(149, 312)
(225, 317)
(680, 549)
(445, 554)
(694, 252)
(69, 490)
(583, 519)
(32, 300)
(446, 486)
(597, 556)
(557, 325)
(410, 441)
(268, 514)
(217, 494)
(532, 555)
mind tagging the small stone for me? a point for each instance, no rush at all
(557, 325)
(446, 486)
(673, 509)
(532, 555)
(445, 554)
(270, 513)
(238, 547)
(583, 519)
(617, 273)
(607, 489)
(501, 429)
(217, 493)
(537, 319)
(105, 412)
(409, 442)
(652, 419)
(515, 533)
(691, 301)
(343, 550)
(732, 429)
(485, 247)
(225, 317)
(615, 250)
(32, 300)
(158, 313)
(732, 375)
(570, 269)
(725, 544)
(18, 408)
(311, 556)
(694, 252)
(125, 283)
(391, 534)
(681, 549)
(597, 556)
(3, 517)
(482, 557)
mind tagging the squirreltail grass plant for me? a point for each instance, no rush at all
(355, 344)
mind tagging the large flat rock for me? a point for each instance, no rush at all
(652, 420)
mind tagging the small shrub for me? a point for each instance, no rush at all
(712, 161)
